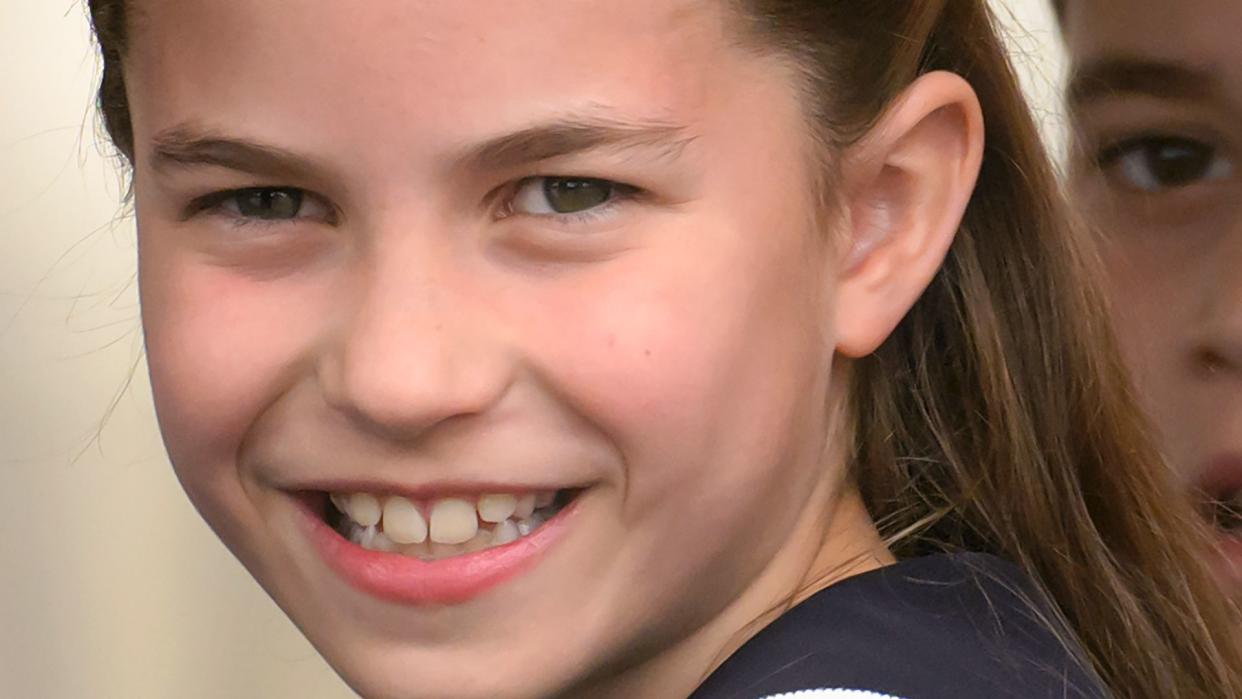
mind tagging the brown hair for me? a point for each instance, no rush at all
(1058, 6)
(997, 417)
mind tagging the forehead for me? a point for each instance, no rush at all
(404, 64)
(420, 27)
(1198, 32)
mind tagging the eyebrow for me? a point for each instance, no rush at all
(188, 146)
(564, 137)
(1109, 77)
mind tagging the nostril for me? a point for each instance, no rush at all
(1210, 363)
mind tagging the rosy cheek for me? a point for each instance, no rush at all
(219, 346)
(680, 357)
(638, 361)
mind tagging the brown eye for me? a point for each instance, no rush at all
(268, 204)
(1154, 164)
(551, 196)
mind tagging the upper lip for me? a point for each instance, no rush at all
(427, 491)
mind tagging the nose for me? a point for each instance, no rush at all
(1220, 351)
(414, 347)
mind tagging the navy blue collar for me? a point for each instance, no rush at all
(950, 626)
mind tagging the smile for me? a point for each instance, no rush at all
(434, 551)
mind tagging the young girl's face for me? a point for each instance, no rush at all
(406, 255)
(1157, 104)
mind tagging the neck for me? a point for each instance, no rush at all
(829, 543)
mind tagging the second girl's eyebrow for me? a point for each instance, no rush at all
(1111, 76)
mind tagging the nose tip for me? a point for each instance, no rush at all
(404, 360)
(1219, 353)
(404, 390)
(1220, 349)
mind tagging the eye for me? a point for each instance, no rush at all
(1157, 163)
(560, 196)
(267, 204)
(264, 205)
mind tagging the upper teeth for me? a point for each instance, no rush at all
(403, 523)
(498, 508)
(456, 524)
(453, 521)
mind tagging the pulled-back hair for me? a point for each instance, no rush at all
(997, 416)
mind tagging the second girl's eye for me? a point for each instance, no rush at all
(551, 196)
(1154, 164)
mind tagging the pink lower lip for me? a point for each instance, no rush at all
(405, 580)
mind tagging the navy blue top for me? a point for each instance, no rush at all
(947, 626)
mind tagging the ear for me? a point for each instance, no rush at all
(905, 187)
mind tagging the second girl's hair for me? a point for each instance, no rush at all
(997, 416)
(1058, 6)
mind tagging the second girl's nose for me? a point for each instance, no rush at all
(1220, 347)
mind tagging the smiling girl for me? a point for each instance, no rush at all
(645, 349)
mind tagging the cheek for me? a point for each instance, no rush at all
(1154, 281)
(1148, 313)
(700, 363)
(706, 370)
(221, 347)
(1143, 297)
(1151, 274)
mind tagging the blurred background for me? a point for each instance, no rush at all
(110, 584)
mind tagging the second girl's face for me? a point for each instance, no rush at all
(1157, 105)
(402, 255)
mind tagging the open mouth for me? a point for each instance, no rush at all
(1224, 511)
(443, 527)
(1220, 487)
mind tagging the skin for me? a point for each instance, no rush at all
(681, 353)
(1173, 242)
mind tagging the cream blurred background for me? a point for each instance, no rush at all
(110, 585)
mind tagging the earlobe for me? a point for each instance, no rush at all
(906, 187)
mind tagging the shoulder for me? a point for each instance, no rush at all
(960, 626)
